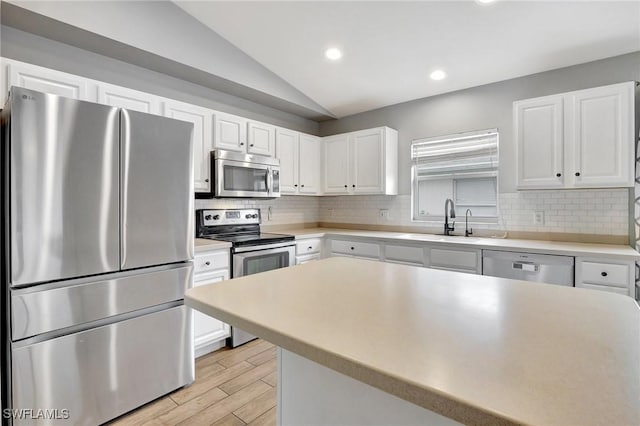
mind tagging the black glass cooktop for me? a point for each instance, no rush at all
(240, 240)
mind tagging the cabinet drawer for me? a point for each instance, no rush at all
(210, 261)
(609, 274)
(404, 254)
(356, 248)
(313, 245)
(610, 289)
(457, 260)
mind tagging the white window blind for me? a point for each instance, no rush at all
(464, 155)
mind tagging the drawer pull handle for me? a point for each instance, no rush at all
(309, 248)
(577, 173)
(207, 263)
(352, 248)
(558, 174)
(604, 274)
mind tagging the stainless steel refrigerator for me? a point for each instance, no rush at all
(97, 253)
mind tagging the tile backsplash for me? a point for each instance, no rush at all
(583, 211)
(285, 210)
(566, 211)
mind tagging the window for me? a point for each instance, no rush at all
(463, 167)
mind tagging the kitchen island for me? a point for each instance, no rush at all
(370, 342)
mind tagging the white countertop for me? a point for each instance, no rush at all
(203, 244)
(480, 350)
(529, 246)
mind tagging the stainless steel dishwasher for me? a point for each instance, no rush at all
(541, 268)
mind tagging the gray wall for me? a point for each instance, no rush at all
(27, 47)
(483, 107)
(161, 36)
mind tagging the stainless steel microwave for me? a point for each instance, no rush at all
(244, 176)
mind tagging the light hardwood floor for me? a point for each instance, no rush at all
(233, 387)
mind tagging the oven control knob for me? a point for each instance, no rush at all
(207, 217)
(254, 216)
(248, 216)
(216, 217)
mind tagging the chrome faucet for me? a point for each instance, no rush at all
(449, 213)
(467, 231)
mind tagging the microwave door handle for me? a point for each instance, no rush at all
(267, 178)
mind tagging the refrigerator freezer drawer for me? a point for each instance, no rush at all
(107, 371)
(39, 311)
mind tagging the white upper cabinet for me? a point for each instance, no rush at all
(261, 138)
(47, 80)
(123, 97)
(362, 162)
(310, 156)
(336, 164)
(581, 139)
(287, 153)
(540, 142)
(202, 139)
(602, 135)
(368, 162)
(300, 157)
(230, 132)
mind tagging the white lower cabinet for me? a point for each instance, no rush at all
(455, 259)
(360, 249)
(405, 254)
(606, 275)
(209, 333)
(308, 249)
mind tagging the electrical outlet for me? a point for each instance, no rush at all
(538, 217)
(383, 214)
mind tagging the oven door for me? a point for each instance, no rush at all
(243, 179)
(255, 260)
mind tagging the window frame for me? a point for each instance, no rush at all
(438, 219)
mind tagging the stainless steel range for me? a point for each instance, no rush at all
(252, 251)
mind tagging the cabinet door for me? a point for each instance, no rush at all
(455, 259)
(48, 81)
(309, 160)
(336, 165)
(602, 136)
(123, 97)
(230, 132)
(202, 139)
(287, 153)
(539, 136)
(262, 138)
(367, 166)
(206, 329)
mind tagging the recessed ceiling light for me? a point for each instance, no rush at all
(333, 54)
(485, 1)
(438, 75)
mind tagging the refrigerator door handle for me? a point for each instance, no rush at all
(125, 144)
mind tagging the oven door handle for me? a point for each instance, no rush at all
(264, 247)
